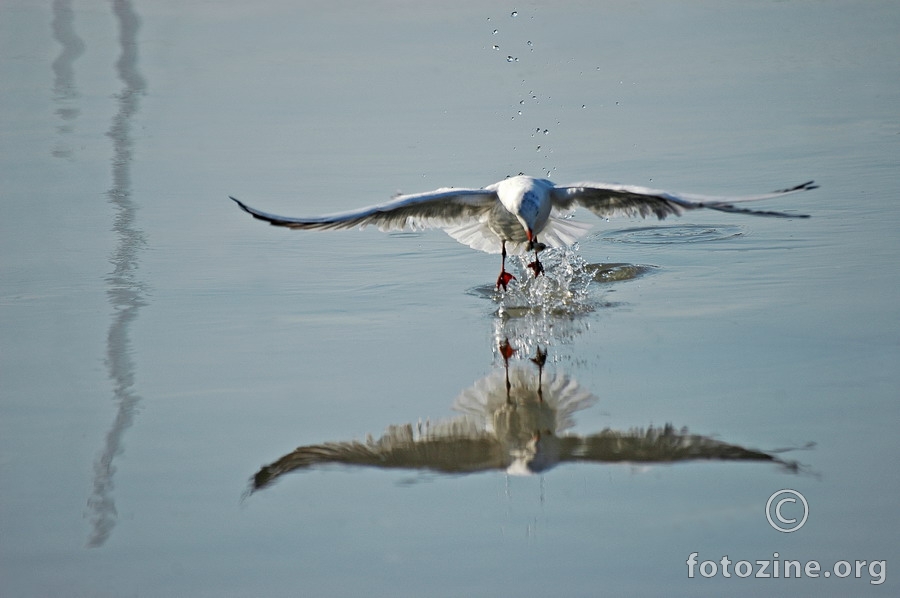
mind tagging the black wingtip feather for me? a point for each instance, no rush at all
(240, 203)
(807, 186)
(251, 211)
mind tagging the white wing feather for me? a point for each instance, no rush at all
(466, 214)
(435, 209)
(607, 200)
(559, 232)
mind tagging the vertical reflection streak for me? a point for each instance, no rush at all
(64, 89)
(125, 291)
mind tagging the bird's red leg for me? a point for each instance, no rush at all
(505, 276)
(539, 360)
(536, 266)
(507, 351)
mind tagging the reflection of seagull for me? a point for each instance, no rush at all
(510, 215)
(512, 420)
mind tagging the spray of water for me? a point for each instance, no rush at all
(550, 309)
(563, 289)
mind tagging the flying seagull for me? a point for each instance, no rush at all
(508, 216)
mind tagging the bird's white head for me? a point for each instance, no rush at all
(528, 199)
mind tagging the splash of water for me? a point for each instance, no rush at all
(549, 309)
(545, 310)
(563, 290)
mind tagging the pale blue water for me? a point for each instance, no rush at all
(159, 346)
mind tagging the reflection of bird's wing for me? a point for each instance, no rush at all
(629, 200)
(435, 209)
(459, 445)
(660, 445)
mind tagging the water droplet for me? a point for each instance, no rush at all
(511, 59)
(546, 131)
(521, 102)
(583, 105)
(519, 113)
(514, 13)
(496, 47)
(495, 33)
(538, 148)
(529, 43)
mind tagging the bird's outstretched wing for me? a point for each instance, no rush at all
(629, 200)
(457, 446)
(659, 445)
(434, 209)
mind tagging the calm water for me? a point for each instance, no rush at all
(160, 349)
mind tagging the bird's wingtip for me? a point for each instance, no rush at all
(241, 204)
(807, 186)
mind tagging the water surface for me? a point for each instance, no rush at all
(159, 348)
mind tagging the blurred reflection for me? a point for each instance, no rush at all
(64, 89)
(515, 419)
(125, 291)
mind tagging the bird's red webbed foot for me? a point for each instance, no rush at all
(504, 279)
(536, 267)
(506, 349)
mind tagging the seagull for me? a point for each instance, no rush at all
(508, 216)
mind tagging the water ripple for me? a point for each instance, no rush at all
(674, 234)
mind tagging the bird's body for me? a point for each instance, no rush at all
(508, 216)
